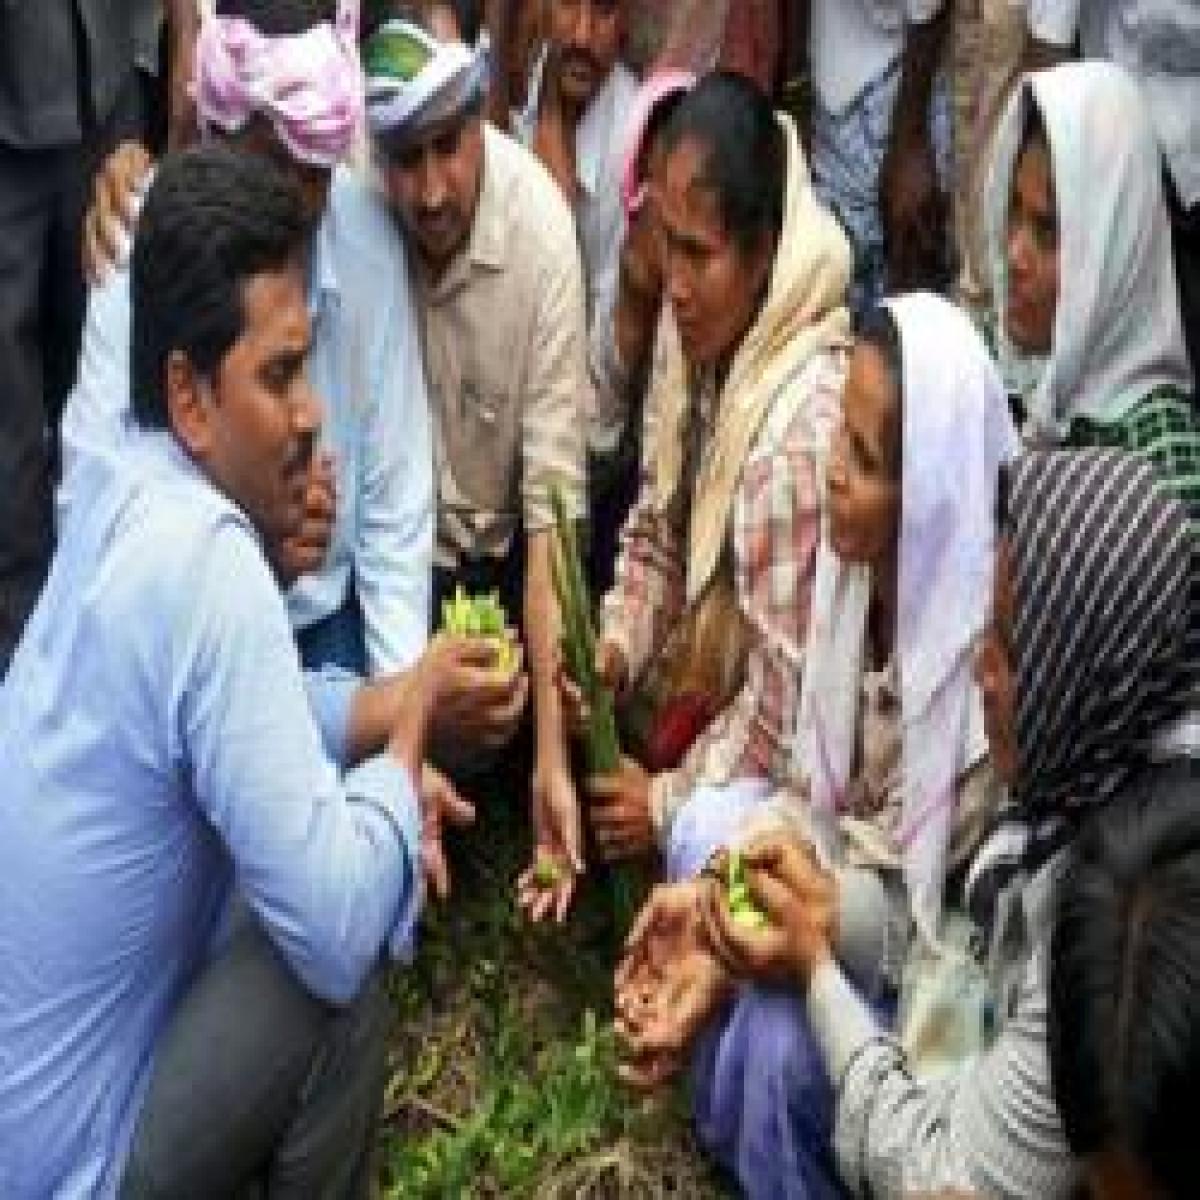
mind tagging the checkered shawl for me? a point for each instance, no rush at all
(1165, 429)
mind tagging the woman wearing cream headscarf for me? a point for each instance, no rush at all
(889, 745)
(718, 550)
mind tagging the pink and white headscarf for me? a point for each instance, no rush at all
(652, 93)
(308, 85)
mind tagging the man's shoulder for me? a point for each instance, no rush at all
(158, 498)
(532, 204)
(362, 234)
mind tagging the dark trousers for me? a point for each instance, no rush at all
(1185, 235)
(259, 1086)
(338, 640)
(43, 197)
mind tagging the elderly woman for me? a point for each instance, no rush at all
(719, 547)
(889, 774)
(1082, 665)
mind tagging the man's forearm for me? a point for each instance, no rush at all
(542, 626)
(375, 711)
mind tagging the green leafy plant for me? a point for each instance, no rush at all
(737, 895)
(482, 617)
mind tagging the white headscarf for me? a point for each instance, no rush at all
(956, 433)
(1117, 329)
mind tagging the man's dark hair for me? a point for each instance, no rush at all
(279, 18)
(1124, 1026)
(213, 219)
(732, 122)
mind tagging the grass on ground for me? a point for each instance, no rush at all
(502, 1078)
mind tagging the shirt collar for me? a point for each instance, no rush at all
(323, 282)
(489, 235)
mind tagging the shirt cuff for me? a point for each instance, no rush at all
(384, 783)
(840, 1020)
(331, 692)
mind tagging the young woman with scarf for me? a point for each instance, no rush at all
(1088, 325)
(1083, 664)
(889, 778)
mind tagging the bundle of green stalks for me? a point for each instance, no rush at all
(601, 743)
(601, 746)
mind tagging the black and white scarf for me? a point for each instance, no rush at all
(1101, 557)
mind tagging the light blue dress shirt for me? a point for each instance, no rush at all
(158, 748)
(366, 366)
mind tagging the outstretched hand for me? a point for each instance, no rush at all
(668, 985)
(441, 808)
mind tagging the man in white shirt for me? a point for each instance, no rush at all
(576, 121)
(1158, 42)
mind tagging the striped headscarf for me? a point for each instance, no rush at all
(1101, 560)
(414, 81)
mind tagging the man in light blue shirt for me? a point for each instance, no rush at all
(363, 598)
(158, 750)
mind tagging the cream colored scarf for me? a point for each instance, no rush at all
(804, 313)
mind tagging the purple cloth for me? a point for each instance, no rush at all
(762, 1101)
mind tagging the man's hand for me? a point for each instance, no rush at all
(116, 200)
(799, 899)
(619, 812)
(304, 552)
(441, 806)
(548, 885)
(914, 212)
(480, 709)
(668, 985)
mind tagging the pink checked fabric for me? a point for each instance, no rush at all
(774, 533)
(308, 85)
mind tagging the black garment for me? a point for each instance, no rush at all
(68, 93)
(1185, 237)
(63, 66)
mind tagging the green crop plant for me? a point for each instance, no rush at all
(482, 617)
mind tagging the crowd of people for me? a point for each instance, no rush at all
(867, 371)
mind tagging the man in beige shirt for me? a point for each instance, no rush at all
(501, 303)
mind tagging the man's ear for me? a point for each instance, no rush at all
(189, 413)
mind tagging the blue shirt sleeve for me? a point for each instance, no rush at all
(330, 867)
(331, 692)
(97, 413)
